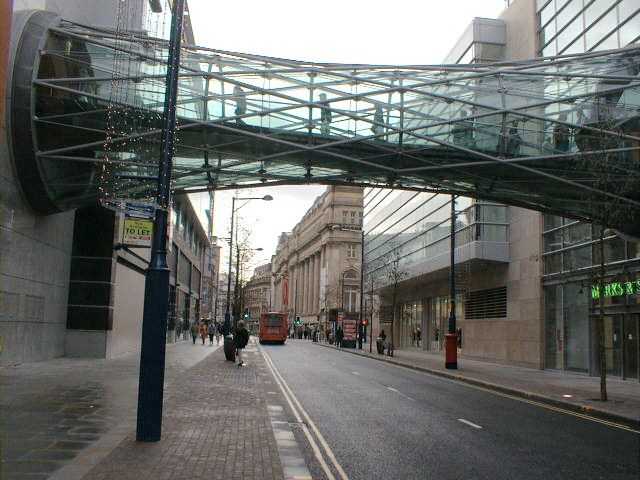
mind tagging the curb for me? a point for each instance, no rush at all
(578, 408)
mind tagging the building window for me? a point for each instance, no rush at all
(176, 216)
(183, 223)
(352, 220)
(351, 251)
(350, 299)
(345, 215)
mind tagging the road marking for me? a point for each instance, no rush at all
(471, 424)
(333, 364)
(355, 373)
(297, 412)
(400, 393)
(564, 411)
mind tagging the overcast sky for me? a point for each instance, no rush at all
(345, 31)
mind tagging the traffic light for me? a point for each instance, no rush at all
(298, 321)
(246, 313)
(364, 322)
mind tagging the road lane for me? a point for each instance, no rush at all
(391, 422)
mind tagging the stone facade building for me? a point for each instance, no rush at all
(316, 268)
(257, 293)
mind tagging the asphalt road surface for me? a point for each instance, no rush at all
(380, 421)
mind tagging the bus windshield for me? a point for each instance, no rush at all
(273, 320)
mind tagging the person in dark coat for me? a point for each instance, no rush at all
(194, 331)
(339, 336)
(211, 330)
(561, 135)
(241, 339)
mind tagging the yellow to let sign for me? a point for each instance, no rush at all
(137, 232)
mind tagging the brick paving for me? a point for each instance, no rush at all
(68, 419)
(216, 425)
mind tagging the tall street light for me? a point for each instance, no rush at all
(156, 289)
(451, 340)
(226, 327)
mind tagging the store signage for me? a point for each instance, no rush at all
(137, 232)
(617, 289)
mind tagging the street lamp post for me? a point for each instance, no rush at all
(156, 290)
(226, 327)
(451, 340)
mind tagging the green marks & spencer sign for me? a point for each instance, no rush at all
(617, 289)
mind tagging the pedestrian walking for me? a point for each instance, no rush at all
(418, 335)
(514, 140)
(561, 135)
(378, 118)
(211, 331)
(462, 131)
(325, 115)
(241, 103)
(194, 331)
(218, 330)
(203, 331)
(339, 336)
(241, 339)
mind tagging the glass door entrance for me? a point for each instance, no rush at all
(630, 346)
(612, 343)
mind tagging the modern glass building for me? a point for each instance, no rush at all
(524, 280)
(571, 249)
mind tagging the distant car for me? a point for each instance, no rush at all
(274, 327)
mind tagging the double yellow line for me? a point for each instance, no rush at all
(308, 426)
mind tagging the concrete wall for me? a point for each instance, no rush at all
(518, 339)
(34, 271)
(520, 19)
(128, 306)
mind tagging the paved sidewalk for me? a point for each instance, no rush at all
(72, 419)
(569, 390)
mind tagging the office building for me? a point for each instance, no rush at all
(524, 280)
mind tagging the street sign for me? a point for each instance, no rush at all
(131, 208)
(137, 232)
(137, 209)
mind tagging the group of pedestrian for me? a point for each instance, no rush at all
(204, 329)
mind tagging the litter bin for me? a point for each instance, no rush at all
(229, 348)
(380, 345)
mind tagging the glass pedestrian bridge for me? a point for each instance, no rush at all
(558, 135)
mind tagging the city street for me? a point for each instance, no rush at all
(384, 421)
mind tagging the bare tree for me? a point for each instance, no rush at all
(395, 275)
(610, 172)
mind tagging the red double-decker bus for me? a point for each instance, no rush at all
(274, 327)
